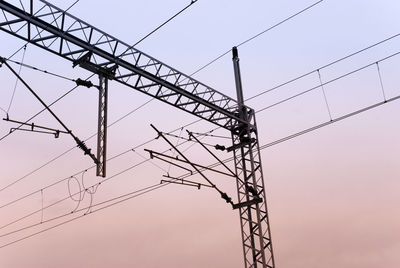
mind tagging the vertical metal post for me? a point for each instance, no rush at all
(102, 126)
(254, 220)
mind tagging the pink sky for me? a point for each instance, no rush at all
(333, 194)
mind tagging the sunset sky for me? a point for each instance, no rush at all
(333, 193)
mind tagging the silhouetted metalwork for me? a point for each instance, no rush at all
(102, 127)
(81, 144)
(35, 128)
(55, 30)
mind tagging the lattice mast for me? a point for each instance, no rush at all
(254, 220)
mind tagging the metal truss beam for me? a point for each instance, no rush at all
(55, 30)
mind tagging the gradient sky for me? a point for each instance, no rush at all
(333, 194)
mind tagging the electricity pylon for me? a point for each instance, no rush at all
(58, 32)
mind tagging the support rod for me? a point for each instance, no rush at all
(223, 195)
(80, 143)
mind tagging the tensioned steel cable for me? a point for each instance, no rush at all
(84, 170)
(123, 117)
(16, 82)
(304, 131)
(146, 189)
(248, 40)
(213, 165)
(163, 24)
(324, 66)
(22, 64)
(257, 35)
(71, 196)
(125, 197)
(371, 46)
(355, 113)
(329, 82)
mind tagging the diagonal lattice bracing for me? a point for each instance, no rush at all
(52, 29)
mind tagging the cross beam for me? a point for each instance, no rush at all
(59, 32)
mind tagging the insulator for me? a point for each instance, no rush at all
(226, 198)
(220, 147)
(85, 83)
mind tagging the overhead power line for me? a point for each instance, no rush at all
(22, 64)
(218, 163)
(328, 82)
(304, 131)
(248, 40)
(272, 105)
(71, 196)
(118, 200)
(88, 168)
(44, 109)
(80, 143)
(116, 121)
(324, 66)
(16, 82)
(163, 24)
(262, 109)
(257, 35)
(157, 186)
(327, 123)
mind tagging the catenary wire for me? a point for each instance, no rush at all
(328, 82)
(163, 24)
(123, 117)
(324, 66)
(70, 196)
(343, 118)
(16, 82)
(304, 92)
(305, 131)
(22, 64)
(335, 119)
(127, 197)
(44, 109)
(79, 210)
(216, 164)
(248, 40)
(84, 170)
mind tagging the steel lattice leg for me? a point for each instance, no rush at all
(254, 221)
(102, 127)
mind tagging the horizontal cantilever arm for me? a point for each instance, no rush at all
(161, 155)
(55, 30)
